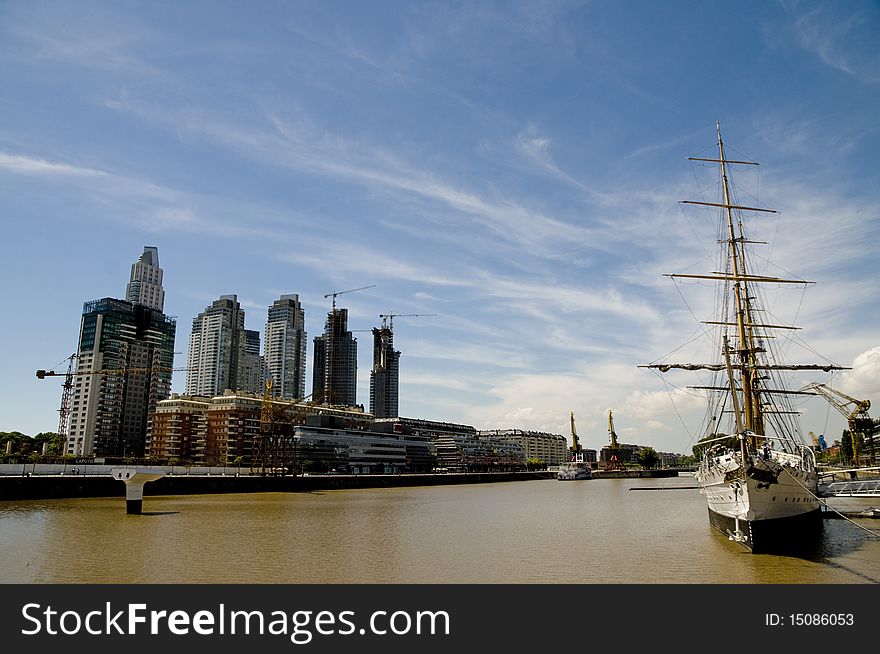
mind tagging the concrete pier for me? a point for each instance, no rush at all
(134, 479)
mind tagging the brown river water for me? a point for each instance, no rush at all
(543, 531)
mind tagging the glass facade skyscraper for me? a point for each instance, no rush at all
(334, 374)
(285, 348)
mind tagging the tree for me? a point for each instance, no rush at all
(648, 457)
(846, 448)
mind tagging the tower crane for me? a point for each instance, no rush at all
(389, 317)
(856, 414)
(351, 290)
(67, 388)
(331, 347)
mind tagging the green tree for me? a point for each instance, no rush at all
(846, 448)
(648, 458)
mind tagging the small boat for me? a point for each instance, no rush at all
(573, 470)
(757, 473)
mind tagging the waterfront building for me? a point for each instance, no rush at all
(552, 449)
(133, 347)
(224, 429)
(358, 451)
(223, 355)
(145, 285)
(458, 452)
(384, 377)
(334, 373)
(419, 426)
(285, 348)
(179, 430)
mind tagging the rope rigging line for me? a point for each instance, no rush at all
(875, 534)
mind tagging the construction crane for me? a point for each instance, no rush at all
(67, 388)
(351, 290)
(856, 414)
(275, 445)
(66, 392)
(389, 317)
(613, 462)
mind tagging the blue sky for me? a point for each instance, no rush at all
(514, 168)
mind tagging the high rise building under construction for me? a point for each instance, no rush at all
(334, 373)
(384, 377)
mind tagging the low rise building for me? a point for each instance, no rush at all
(225, 429)
(360, 451)
(552, 449)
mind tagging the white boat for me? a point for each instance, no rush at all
(574, 470)
(758, 475)
(577, 467)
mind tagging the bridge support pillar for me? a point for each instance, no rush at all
(134, 479)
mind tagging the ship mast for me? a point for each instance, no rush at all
(753, 416)
(742, 353)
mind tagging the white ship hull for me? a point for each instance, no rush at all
(764, 505)
(574, 471)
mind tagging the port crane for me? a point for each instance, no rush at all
(575, 442)
(67, 387)
(614, 462)
(856, 413)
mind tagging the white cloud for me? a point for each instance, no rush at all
(830, 36)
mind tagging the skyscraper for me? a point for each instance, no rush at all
(145, 286)
(285, 348)
(221, 351)
(132, 343)
(334, 374)
(109, 411)
(384, 378)
(253, 371)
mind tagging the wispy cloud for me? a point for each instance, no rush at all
(33, 166)
(73, 35)
(305, 147)
(829, 35)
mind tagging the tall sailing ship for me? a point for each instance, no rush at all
(759, 478)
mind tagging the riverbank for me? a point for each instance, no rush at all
(80, 485)
(95, 483)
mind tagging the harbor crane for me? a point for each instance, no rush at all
(613, 462)
(351, 290)
(856, 413)
(575, 442)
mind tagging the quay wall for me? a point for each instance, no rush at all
(82, 485)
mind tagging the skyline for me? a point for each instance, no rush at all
(514, 168)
